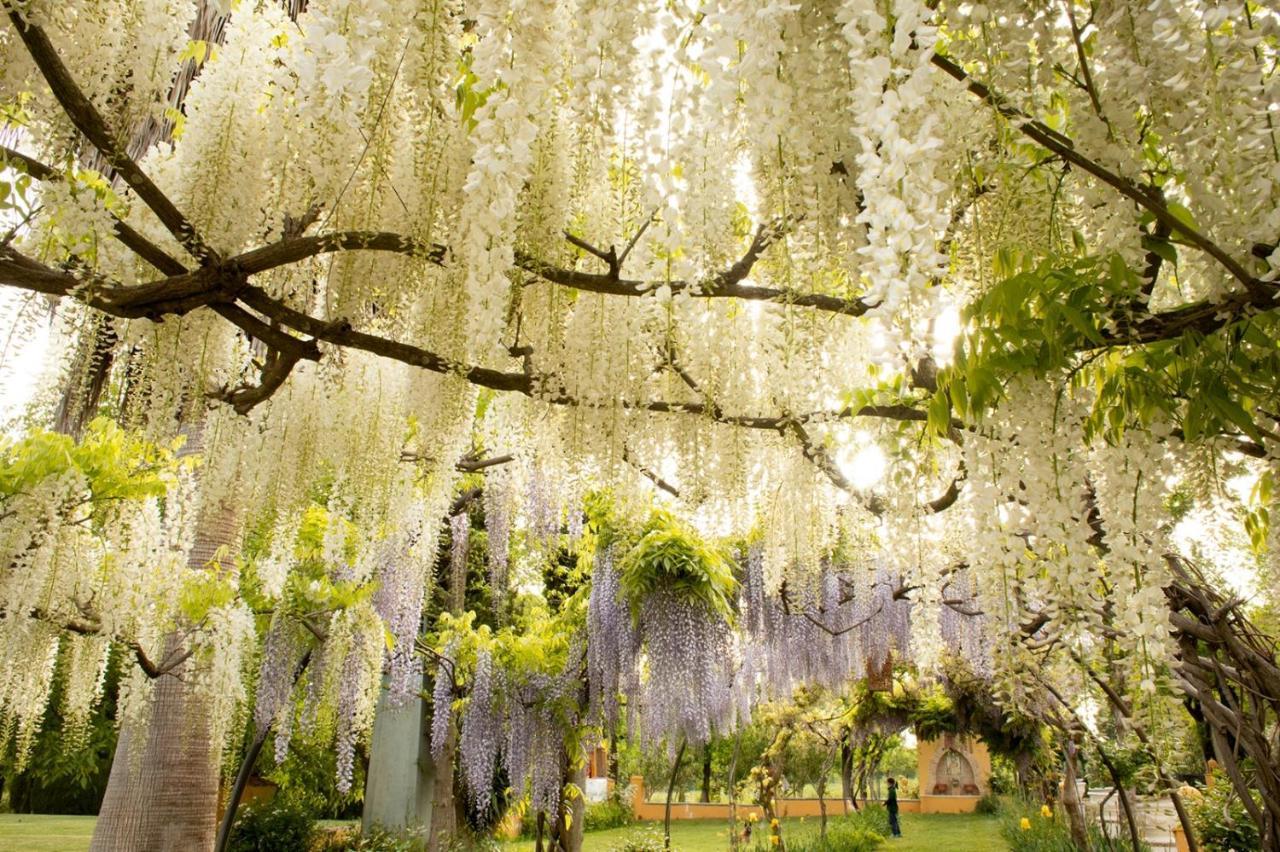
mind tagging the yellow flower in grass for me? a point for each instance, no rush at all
(773, 823)
(775, 840)
(753, 817)
(1025, 824)
(1046, 812)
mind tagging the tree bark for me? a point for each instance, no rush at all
(671, 786)
(733, 791)
(612, 771)
(1071, 798)
(846, 771)
(237, 789)
(706, 773)
(444, 821)
(165, 798)
(162, 793)
(1126, 805)
(571, 835)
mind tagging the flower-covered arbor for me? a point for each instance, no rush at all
(958, 316)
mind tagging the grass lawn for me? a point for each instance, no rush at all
(921, 833)
(948, 833)
(48, 833)
(43, 833)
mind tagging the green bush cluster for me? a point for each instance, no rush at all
(857, 832)
(874, 817)
(374, 840)
(1220, 820)
(842, 836)
(280, 825)
(989, 804)
(642, 840)
(1026, 828)
(607, 814)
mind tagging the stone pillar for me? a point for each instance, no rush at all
(400, 782)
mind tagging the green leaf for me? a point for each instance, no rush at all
(1234, 413)
(939, 420)
(1161, 248)
(1183, 215)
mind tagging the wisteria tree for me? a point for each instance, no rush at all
(983, 356)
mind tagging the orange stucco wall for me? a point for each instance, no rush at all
(926, 752)
(646, 810)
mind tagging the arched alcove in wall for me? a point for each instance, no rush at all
(953, 766)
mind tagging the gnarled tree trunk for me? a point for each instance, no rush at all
(1071, 797)
(162, 794)
(165, 798)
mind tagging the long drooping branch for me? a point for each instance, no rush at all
(725, 285)
(90, 122)
(224, 286)
(1146, 198)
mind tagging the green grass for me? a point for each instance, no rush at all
(47, 833)
(920, 833)
(42, 833)
(948, 833)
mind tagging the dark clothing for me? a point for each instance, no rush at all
(891, 805)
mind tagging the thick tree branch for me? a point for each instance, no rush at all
(130, 238)
(648, 474)
(727, 284)
(1147, 199)
(85, 116)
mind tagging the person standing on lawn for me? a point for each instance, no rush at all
(891, 805)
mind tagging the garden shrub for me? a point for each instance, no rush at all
(844, 834)
(607, 814)
(988, 804)
(375, 840)
(1029, 826)
(874, 818)
(1220, 820)
(280, 825)
(1026, 828)
(643, 840)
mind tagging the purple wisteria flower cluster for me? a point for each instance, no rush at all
(963, 624)
(542, 510)
(281, 652)
(481, 734)
(442, 699)
(460, 543)
(613, 645)
(398, 602)
(350, 683)
(687, 692)
(497, 522)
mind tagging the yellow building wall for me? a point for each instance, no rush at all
(926, 752)
(646, 810)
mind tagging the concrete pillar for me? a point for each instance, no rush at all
(400, 782)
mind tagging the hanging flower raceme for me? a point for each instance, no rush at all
(442, 699)
(91, 556)
(481, 734)
(896, 128)
(613, 645)
(402, 583)
(497, 525)
(678, 590)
